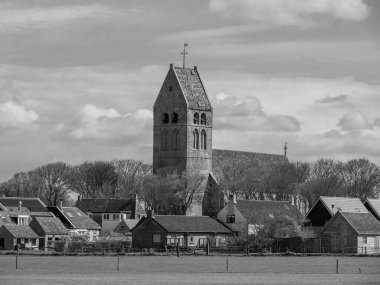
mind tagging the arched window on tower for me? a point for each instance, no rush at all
(196, 119)
(165, 140)
(175, 139)
(165, 118)
(203, 119)
(203, 139)
(195, 139)
(174, 118)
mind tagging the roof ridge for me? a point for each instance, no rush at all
(246, 151)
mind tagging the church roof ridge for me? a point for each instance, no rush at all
(247, 152)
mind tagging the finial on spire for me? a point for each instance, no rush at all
(285, 148)
(184, 53)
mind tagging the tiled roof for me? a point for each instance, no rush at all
(192, 88)
(221, 157)
(191, 224)
(32, 204)
(5, 218)
(363, 223)
(374, 205)
(104, 205)
(343, 204)
(20, 231)
(51, 225)
(79, 219)
(257, 211)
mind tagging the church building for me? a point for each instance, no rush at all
(182, 132)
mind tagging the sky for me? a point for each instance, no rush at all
(78, 79)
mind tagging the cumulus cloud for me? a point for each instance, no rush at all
(294, 12)
(333, 99)
(97, 124)
(13, 115)
(354, 121)
(247, 114)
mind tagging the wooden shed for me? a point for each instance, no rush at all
(349, 232)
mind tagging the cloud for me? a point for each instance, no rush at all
(13, 115)
(354, 121)
(17, 20)
(100, 125)
(247, 114)
(290, 13)
(332, 99)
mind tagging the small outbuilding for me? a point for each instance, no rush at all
(49, 229)
(13, 236)
(349, 232)
(190, 231)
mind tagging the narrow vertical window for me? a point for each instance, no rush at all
(203, 119)
(196, 119)
(203, 139)
(174, 118)
(196, 139)
(175, 139)
(165, 140)
(165, 118)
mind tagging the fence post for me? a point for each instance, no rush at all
(117, 263)
(17, 259)
(178, 248)
(337, 266)
(208, 249)
(227, 264)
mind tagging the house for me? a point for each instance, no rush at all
(373, 206)
(49, 229)
(325, 207)
(22, 210)
(76, 222)
(244, 216)
(126, 226)
(350, 232)
(190, 231)
(22, 236)
(109, 212)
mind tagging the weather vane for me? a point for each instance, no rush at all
(184, 53)
(285, 148)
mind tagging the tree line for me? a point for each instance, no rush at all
(173, 192)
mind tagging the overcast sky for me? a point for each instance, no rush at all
(78, 79)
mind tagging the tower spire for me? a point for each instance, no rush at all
(184, 53)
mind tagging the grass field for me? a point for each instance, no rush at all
(188, 270)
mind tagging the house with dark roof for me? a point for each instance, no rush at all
(326, 207)
(76, 222)
(12, 235)
(126, 226)
(373, 206)
(109, 212)
(244, 216)
(49, 229)
(351, 232)
(190, 231)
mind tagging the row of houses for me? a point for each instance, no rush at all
(340, 224)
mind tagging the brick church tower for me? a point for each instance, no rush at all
(182, 135)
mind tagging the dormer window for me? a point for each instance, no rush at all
(230, 219)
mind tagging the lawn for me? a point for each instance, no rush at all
(188, 270)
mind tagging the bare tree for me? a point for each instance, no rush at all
(54, 180)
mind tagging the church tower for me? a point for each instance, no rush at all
(182, 113)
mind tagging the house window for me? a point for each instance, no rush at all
(106, 216)
(156, 238)
(114, 216)
(34, 242)
(364, 240)
(357, 210)
(191, 240)
(230, 219)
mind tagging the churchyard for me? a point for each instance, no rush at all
(188, 270)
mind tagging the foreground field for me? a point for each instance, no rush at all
(188, 270)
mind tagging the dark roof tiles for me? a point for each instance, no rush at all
(79, 219)
(191, 224)
(363, 223)
(20, 231)
(103, 205)
(32, 204)
(51, 225)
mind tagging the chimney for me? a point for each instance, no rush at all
(171, 66)
(150, 212)
(19, 205)
(78, 199)
(332, 209)
(60, 204)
